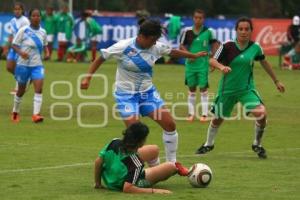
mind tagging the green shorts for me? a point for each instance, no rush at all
(224, 104)
(142, 182)
(194, 79)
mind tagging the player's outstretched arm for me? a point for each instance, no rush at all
(85, 83)
(185, 54)
(267, 67)
(130, 188)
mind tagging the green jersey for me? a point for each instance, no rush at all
(50, 23)
(196, 42)
(241, 62)
(93, 27)
(65, 24)
(120, 166)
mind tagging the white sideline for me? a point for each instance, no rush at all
(90, 163)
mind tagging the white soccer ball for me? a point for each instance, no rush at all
(200, 175)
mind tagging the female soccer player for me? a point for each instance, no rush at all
(29, 44)
(120, 164)
(235, 59)
(16, 23)
(135, 94)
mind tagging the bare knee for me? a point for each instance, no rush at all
(260, 113)
(169, 125)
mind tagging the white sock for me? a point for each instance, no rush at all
(154, 162)
(17, 102)
(204, 102)
(37, 103)
(171, 142)
(211, 134)
(191, 102)
(258, 133)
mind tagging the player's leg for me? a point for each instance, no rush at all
(222, 108)
(191, 82)
(22, 75)
(149, 154)
(170, 136)
(203, 85)
(160, 172)
(253, 104)
(153, 106)
(37, 77)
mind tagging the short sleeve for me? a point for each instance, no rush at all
(114, 51)
(260, 53)
(212, 36)
(163, 49)
(19, 37)
(103, 151)
(220, 53)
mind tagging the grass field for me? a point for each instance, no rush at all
(54, 160)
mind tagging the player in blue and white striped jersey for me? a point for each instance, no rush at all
(135, 93)
(15, 24)
(29, 43)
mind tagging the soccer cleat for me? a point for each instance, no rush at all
(190, 118)
(261, 152)
(181, 170)
(37, 118)
(15, 117)
(203, 118)
(204, 149)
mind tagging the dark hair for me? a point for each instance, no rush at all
(150, 28)
(135, 135)
(21, 6)
(31, 11)
(199, 11)
(244, 19)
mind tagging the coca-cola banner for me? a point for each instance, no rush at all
(270, 33)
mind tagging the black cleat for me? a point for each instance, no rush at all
(204, 149)
(261, 152)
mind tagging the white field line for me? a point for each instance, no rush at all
(90, 163)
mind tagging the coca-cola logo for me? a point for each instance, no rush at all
(268, 37)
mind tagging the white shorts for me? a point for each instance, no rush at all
(96, 38)
(50, 38)
(61, 37)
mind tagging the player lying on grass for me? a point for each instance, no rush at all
(121, 164)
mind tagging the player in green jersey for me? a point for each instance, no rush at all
(235, 59)
(194, 39)
(120, 164)
(50, 19)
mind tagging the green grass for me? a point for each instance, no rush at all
(54, 160)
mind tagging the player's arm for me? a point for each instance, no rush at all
(267, 67)
(185, 54)
(97, 172)
(23, 54)
(130, 188)
(46, 53)
(215, 64)
(92, 69)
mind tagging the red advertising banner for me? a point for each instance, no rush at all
(270, 33)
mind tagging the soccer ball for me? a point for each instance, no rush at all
(200, 175)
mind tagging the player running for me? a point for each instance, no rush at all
(135, 93)
(29, 43)
(235, 59)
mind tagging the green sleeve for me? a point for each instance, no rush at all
(103, 151)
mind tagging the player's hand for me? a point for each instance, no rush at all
(225, 69)
(85, 83)
(161, 191)
(201, 53)
(280, 87)
(24, 55)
